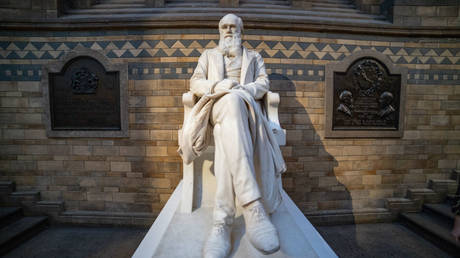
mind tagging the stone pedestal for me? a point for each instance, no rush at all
(176, 234)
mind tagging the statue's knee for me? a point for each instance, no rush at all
(233, 102)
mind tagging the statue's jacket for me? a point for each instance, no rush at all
(196, 130)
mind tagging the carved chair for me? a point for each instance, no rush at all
(198, 184)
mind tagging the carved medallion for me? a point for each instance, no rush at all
(84, 82)
(84, 96)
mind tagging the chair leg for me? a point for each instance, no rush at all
(186, 205)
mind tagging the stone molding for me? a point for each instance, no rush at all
(190, 21)
(56, 67)
(329, 91)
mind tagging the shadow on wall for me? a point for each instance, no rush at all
(315, 180)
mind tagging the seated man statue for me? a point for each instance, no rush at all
(248, 161)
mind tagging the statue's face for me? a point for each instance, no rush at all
(228, 27)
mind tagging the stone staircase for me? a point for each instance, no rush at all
(119, 4)
(16, 221)
(427, 211)
(343, 6)
(271, 4)
(330, 11)
(191, 3)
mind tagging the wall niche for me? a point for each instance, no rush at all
(85, 96)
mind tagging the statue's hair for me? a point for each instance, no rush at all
(239, 21)
(387, 97)
(344, 94)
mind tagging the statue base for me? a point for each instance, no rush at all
(175, 234)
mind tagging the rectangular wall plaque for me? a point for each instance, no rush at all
(85, 96)
(364, 97)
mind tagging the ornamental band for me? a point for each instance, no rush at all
(230, 80)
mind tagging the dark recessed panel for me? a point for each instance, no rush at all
(83, 96)
(366, 97)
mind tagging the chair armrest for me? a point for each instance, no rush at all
(189, 100)
(271, 103)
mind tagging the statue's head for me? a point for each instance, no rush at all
(385, 99)
(346, 97)
(229, 25)
(230, 29)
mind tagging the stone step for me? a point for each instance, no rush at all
(191, 4)
(50, 208)
(396, 205)
(343, 217)
(443, 186)
(450, 198)
(9, 214)
(27, 198)
(425, 194)
(117, 6)
(7, 187)
(17, 232)
(200, 12)
(266, 6)
(109, 218)
(455, 175)
(442, 210)
(430, 229)
(332, 1)
(272, 2)
(333, 5)
(122, 1)
(328, 9)
(190, 1)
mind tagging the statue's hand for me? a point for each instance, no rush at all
(225, 85)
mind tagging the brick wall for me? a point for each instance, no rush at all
(140, 172)
(426, 13)
(31, 8)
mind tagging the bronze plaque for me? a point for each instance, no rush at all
(83, 96)
(366, 97)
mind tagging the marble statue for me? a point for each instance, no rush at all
(230, 81)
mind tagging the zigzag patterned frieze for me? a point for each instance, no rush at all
(184, 70)
(194, 48)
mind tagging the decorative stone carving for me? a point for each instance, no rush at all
(243, 177)
(85, 96)
(230, 79)
(84, 82)
(365, 97)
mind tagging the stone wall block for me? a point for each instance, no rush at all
(74, 196)
(106, 150)
(426, 11)
(138, 151)
(101, 196)
(157, 151)
(434, 21)
(120, 166)
(23, 4)
(412, 20)
(450, 11)
(97, 165)
(82, 150)
(50, 165)
(28, 86)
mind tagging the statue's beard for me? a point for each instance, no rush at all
(231, 46)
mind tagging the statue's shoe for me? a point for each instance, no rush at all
(262, 233)
(218, 244)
